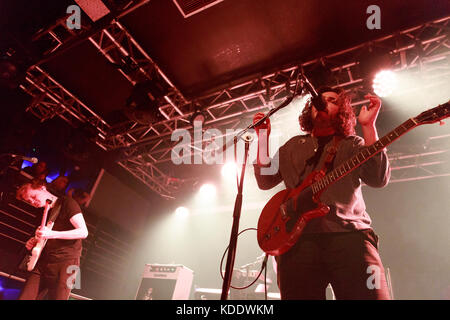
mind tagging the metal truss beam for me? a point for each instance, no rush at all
(58, 37)
(424, 49)
(52, 99)
(231, 104)
(430, 160)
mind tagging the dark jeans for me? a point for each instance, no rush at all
(49, 279)
(349, 261)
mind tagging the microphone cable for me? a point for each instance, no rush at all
(263, 267)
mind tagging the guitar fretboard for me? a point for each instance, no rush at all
(362, 156)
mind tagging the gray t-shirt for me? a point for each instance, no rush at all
(348, 210)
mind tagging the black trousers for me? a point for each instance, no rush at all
(50, 280)
(349, 261)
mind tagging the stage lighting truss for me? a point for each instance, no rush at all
(51, 99)
(228, 108)
(431, 160)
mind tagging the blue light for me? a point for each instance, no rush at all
(26, 163)
(11, 294)
(10, 290)
(51, 177)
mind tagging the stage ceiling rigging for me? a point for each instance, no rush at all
(228, 59)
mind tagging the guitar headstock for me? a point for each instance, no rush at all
(435, 114)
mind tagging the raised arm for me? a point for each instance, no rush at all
(376, 171)
(367, 118)
(80, 230)
(266, 179)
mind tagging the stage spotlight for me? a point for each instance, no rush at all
(229, 170)
(10, 74)
(207, 191)
(198, 115)
(384, 83)
(181, 212)
(372, 61)
(142, 105)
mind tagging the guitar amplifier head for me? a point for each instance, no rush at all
(165, 282)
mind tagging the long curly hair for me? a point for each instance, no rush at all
(345, 120)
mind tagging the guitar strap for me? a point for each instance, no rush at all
(54, 212)
(331, 153)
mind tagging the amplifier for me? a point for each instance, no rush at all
(165, 282)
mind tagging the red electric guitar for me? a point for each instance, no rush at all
(280, 228)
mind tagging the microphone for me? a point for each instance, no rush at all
(32, 160)
(316, 99)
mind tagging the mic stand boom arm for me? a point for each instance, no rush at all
(253, 125)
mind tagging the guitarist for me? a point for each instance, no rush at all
(63, 247)
(340, 247)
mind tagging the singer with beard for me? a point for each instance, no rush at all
(340, 247)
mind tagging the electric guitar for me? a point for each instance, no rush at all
(280, 225)
(33, 257)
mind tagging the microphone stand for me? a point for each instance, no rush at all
(238, 202)
(235, 227)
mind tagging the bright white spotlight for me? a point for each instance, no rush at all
(304, 98)
(229, 170)
(207, 191)
(384, 83)
(182, 212)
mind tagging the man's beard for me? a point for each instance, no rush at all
(323, 124)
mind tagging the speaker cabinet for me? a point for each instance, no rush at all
(165, 282)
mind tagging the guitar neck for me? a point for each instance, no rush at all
(44, 216)
(362, 156)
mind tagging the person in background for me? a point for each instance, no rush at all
(38, 170)
(80, 196)
(59, 185)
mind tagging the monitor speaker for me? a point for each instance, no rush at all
(165, 282)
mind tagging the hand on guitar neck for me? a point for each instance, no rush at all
(45, 232)
(40, 234)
